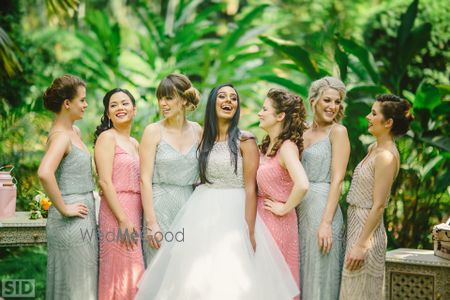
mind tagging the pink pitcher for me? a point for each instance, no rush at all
(8, 192)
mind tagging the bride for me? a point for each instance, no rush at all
(225, 251)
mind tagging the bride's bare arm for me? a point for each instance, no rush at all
(250, 162)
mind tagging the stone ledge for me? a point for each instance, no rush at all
(416, 257)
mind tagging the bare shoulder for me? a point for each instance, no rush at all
(134, 141)
(246, 135)
(371, 146)
(248, 142)
(76, 129)
(106, 137)
(288, 148)
(59, 138)
(338, 131)
(385, 158)
(152, 132)
(197, 128)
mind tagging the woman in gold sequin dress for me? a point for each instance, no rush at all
(363, 274)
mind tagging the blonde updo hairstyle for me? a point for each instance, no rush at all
(319, 86)
(179, 85)
(294, 123)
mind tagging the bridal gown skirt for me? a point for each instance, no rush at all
(207, 254)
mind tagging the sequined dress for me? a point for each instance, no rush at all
(368, 281)
(320, 273)
(275, 183)
(72, 241)
(174, 175)
(210, 256)
(120, 268)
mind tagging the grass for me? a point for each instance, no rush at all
(25, 263)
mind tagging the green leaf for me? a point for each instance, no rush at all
(363, 55)
(407, 23)
(434, 163)
(8, 59)
(444, 89)
(342, 61)
(366, 90)
(232, 39)
(427, 97)
(289, 84)
(409, 96)
(440, 141)
(416, 41)
(298, 55)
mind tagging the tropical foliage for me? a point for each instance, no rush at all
(252, 44)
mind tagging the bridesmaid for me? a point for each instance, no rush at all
(282, 181)
(121, 263)
(321, 226)
(169, 165)
(66, 175)
(363, 275)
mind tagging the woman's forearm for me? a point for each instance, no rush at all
(147, 202)
(250, 208)
(295, 197)
(110, 195)
(332, 202)
(372, 223)
(50, 186)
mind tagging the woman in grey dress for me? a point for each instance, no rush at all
(66, 175)
(168, 160)
(321, 228)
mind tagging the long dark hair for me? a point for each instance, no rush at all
(105, 122)
(211, 131)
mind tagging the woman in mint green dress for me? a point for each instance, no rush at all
(66, 175)
(321, 225)
(169, 166)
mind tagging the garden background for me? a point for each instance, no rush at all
(374, 46)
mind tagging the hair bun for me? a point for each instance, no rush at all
(62, 88)
(397, 109)
(192, 96)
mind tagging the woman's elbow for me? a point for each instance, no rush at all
(43, 175)
(304, 186)
(145, 184)
(301, 188)
(379, 208)
(104, 184)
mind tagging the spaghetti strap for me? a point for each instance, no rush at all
(196, 139)
(397, 161)
(51, 134)
(161, 130)
(331, 128)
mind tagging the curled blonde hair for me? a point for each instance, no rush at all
(319, 86)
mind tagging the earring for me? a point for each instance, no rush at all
(109, 123)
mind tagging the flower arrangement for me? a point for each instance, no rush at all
(39, 206)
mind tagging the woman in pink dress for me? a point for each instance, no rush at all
(282, 181)
(121, 263)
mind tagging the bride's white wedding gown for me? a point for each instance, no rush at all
(213, 257)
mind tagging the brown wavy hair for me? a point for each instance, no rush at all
(294, 121)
